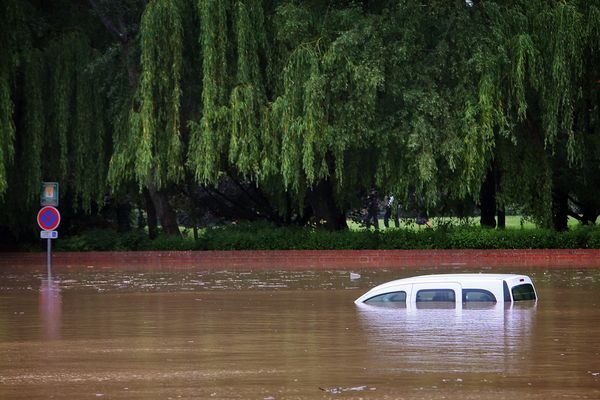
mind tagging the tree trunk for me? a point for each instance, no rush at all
(324, 207)
(164, 211)
(487, 200)
(561, 184)
(123, 211)
(157, 204)
(589, 216)
(501, 218)
(560, 210)
(141, 205)
(151, 215)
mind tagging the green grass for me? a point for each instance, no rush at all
(512, 222)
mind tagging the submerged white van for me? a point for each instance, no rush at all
(452, 289)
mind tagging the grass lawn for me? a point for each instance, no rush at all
(512, 222)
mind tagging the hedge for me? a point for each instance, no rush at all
(261, 236)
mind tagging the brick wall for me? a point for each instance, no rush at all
(308, 259)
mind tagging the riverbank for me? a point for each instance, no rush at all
(306, 259)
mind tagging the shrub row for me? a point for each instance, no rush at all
(260, 236)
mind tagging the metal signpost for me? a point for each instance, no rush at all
(48, 217)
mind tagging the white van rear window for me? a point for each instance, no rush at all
(444, 295)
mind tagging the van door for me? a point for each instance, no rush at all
(437, 295)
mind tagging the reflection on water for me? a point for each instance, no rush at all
(477, 338)
(50, 308)
(288, 335)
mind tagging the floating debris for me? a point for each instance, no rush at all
(354, 276)
(337, 390)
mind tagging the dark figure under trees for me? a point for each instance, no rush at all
(392, 210)
(422, 216)
(372, 209)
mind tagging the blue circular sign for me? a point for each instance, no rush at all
(48, 218)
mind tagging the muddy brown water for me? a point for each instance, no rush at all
(288, 335)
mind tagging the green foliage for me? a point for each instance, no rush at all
(248, 96)
(75, 117)
(61, 66)
(532, 69)
(10, 13)
(109, 240)
(266, 237)
(208, 137)
(158, 153)
(7, 129)
(35, 121)
(94, 240)
(561, 30)
(123, 159)
(525, 69)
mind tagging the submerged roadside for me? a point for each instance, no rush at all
(446, 259)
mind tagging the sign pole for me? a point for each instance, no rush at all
(49, 257)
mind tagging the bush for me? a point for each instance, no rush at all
(93, 240)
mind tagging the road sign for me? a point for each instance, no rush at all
(49, 194)
(49, 234)
(48, 218)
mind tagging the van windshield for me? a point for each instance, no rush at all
(523, 292)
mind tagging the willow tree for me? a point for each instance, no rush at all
(148, 146)
(539, 81)
(33, 134)
(209, 137)
(74, 125)
(9, 59)
(312, 102)
(568, 95)
(158, 155)
(355, 99)
(322, 119)
(227, 137)
(431, 142)
(57, 120)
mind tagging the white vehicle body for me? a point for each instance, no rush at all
(452, 289)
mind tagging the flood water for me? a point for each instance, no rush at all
(288, 335)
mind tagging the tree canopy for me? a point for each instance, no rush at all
(311, 103)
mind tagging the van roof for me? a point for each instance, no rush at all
(457, 278)
(469, 276)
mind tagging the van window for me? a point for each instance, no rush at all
(396, 297)
(523, 292)
(444, 295)
(477, 295)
